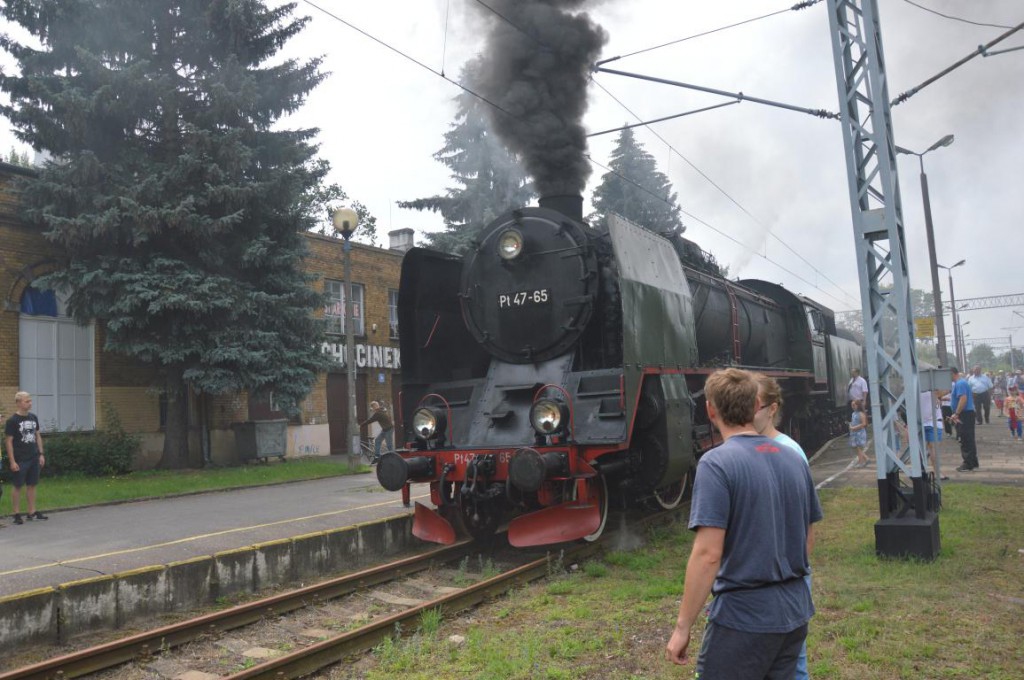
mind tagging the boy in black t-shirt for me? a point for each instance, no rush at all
(24, 444)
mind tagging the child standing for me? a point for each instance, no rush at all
(859, 432)
(1014, 407)
(24, 444)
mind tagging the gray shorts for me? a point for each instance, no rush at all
(28, 473)
(728, 654)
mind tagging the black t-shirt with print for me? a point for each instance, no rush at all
(24, 431)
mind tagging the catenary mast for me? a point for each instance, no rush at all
(884, 279)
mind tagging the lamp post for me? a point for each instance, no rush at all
(963, 344)
(952, 306)
(936, 291)
(345, 222)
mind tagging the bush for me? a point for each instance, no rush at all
(102, 453)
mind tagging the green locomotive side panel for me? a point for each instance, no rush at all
(657, 329)
(679, 422)
(657, 307)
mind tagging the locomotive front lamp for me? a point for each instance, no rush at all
(427, 423)
(510, 244)
(548, 416)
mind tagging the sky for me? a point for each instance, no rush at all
(771, 179)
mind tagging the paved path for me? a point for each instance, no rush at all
(1000, 458)
(85, 542)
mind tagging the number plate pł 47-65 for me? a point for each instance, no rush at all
(523, 298)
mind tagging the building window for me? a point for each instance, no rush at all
(55, 362)
(334, 312)
(393, 314)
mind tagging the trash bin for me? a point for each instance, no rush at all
(261, 439)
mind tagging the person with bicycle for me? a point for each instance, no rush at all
(381, 416)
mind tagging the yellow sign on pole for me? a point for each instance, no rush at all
(924, 326)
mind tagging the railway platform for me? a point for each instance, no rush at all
(106, 539)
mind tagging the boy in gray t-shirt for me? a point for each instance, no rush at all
(753, 508)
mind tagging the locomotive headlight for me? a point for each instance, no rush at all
(548, 416)
(426, 422)
(510, 244)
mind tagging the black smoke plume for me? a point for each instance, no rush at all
(536, 66)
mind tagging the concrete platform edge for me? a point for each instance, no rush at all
(49, 616)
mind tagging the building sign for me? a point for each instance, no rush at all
(924, 327)
(367, 356)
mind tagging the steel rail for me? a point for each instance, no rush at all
(327, 652)
(153, 641)
(311, 659)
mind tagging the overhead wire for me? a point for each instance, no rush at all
(950, 16)
(981, 49)
(796, 7)
(439, 74)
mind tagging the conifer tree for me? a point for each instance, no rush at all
(179, 206)
(636, 190)
(490, 178)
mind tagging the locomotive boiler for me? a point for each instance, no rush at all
(557, 368)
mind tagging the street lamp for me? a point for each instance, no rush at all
(963, 344)
(936, 291)
(345, 222)
(952, 306)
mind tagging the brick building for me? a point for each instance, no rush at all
(75, 383)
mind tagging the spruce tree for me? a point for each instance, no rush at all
(179, 207)
(490, 178)
(636, 190)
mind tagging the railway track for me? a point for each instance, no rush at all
(209, 629)
(148, 647)
(145, 644)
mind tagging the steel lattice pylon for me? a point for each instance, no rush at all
(881, 256)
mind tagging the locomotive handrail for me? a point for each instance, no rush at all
(448, 410)
(568, 400)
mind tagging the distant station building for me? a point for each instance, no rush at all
(74, 381)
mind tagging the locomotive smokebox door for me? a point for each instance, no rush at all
(528, 288)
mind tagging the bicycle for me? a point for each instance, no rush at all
(366, 450)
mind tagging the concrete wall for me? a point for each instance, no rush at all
(50, 616)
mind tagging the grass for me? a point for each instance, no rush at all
(68, 491)
(961, 616)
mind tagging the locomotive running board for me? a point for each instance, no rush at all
(566, 522)
(429, 526)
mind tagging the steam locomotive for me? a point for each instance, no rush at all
(557, 368)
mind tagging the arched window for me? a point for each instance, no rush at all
(56, 362)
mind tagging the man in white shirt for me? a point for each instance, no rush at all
(981, 388)
(857, 388)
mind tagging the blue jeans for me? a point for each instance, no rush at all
(385, 435)
(801, 662)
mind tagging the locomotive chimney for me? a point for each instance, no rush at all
(570, 205)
